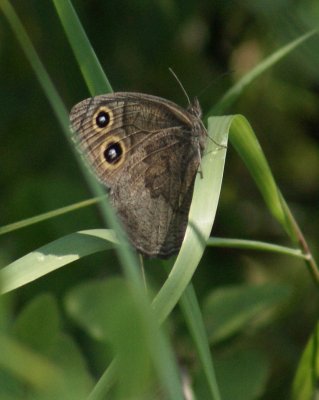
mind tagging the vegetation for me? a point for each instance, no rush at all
(246, 322)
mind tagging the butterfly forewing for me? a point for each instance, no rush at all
(146, 150)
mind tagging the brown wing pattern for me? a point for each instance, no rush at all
(151, 185)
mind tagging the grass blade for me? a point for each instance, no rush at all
(194, 320)
(233, 94)
(48, 215)
(305, 384)
(254, 245)
(55, 255)
(246, 144)
(201, 217)
(89, 64)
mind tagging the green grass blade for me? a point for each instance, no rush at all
(305, 384)
(233, 94)
(254, 245)
(194, 320)
(201, 217)
(55, 255)
(246, 144)
(89, 64)
(105, 383)
(48, 215)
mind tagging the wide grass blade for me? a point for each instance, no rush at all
(205, 201)
(305, 384)
(55, 255)
(246, 144)
(201, 217)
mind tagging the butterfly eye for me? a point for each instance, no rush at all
(113, 153)
(102, 119)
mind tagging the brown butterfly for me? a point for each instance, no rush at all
(146, 150)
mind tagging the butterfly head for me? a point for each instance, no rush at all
(195, 108)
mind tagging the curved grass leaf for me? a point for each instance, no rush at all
(55, 255)
(305, 384)
(201, 217)
(246, 144)
(205, 200)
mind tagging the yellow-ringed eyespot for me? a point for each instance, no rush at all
(102, 118)
(113, 152)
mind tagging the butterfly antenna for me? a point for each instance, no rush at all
(180, 84)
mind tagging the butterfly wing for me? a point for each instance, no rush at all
(146, 150)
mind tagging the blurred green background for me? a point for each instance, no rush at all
(209, 45)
